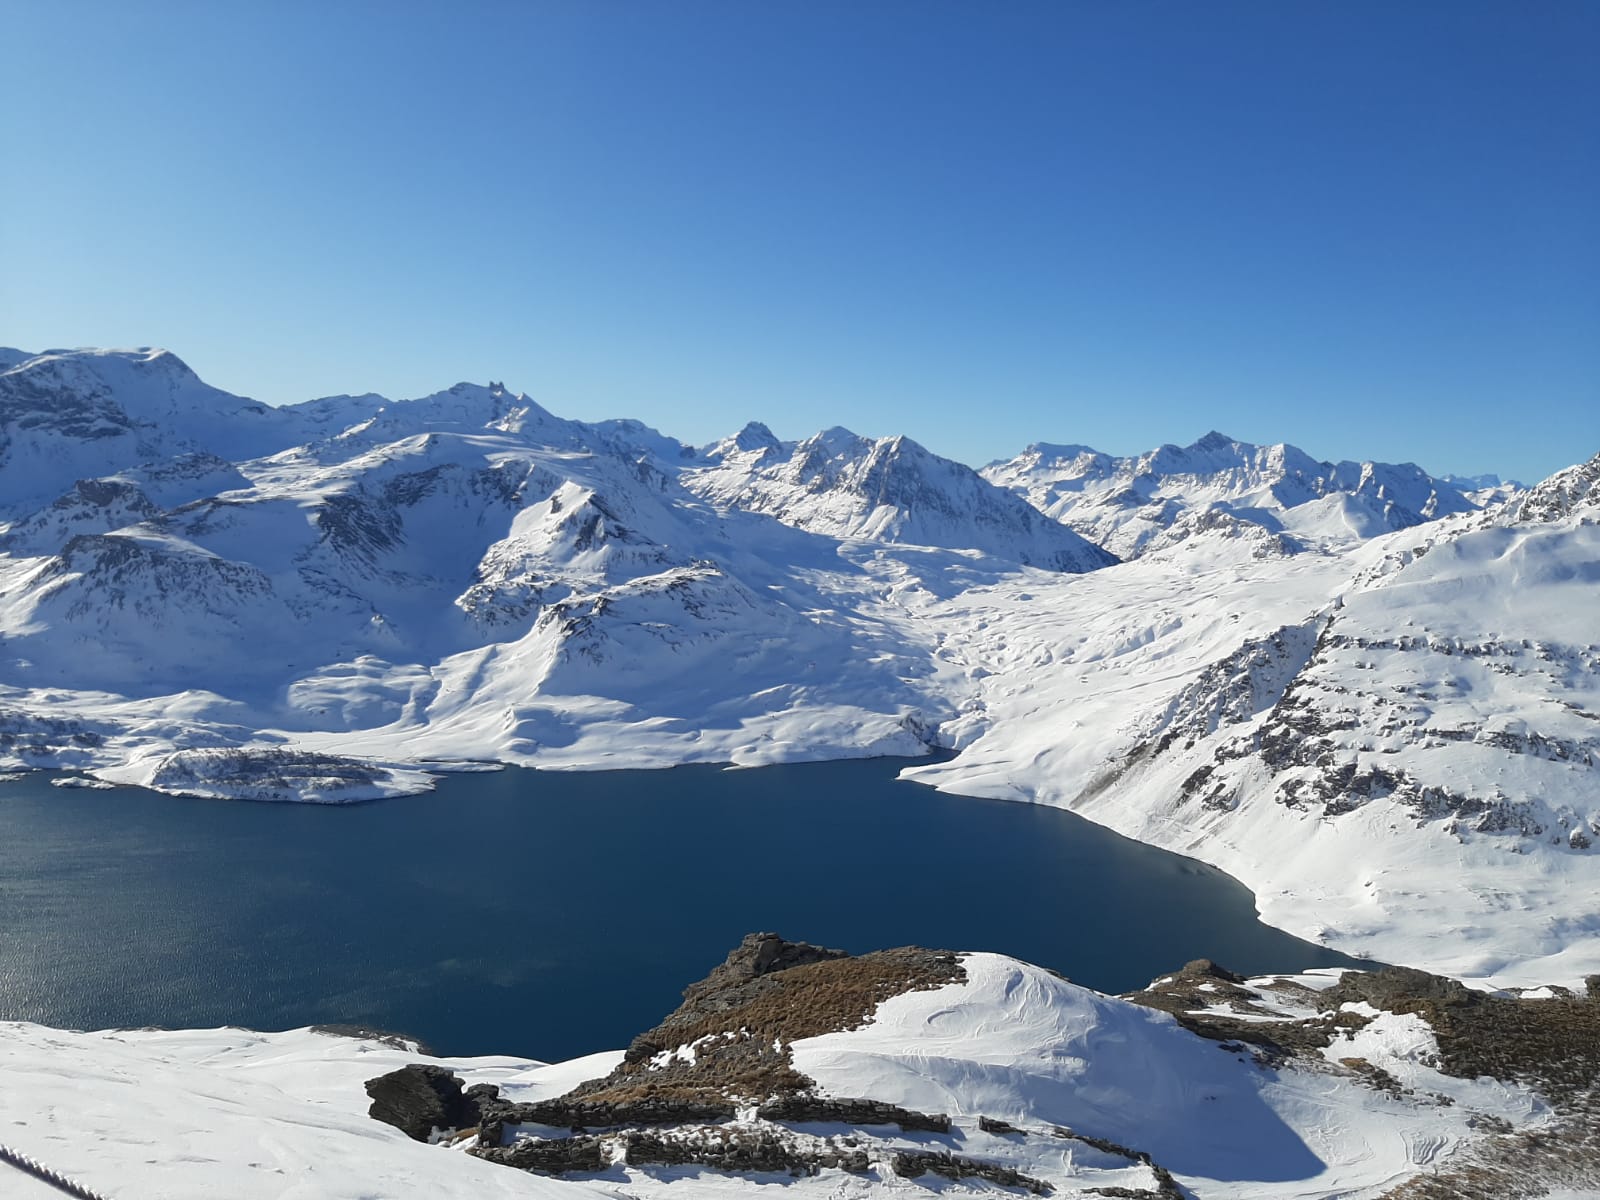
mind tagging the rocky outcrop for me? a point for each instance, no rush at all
(823, 1109)
(584, 1115)
(913, 1164)
(421, 1098)
(1401, 989)
(549, 1156)
(730, 1037)
(732, 984)
(744, 1152)
(726, 1045)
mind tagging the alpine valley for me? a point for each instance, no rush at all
(1370, 694)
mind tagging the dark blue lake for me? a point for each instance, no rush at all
(552, 914)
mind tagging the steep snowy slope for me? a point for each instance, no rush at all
(890, 490)
(1394, 748)
(1128, 504)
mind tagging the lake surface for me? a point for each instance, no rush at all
(553, 914)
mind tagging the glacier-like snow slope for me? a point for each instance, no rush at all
(1389, 738)
(185, 1115)
(1133, 505)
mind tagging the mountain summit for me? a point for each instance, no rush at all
(884, 489)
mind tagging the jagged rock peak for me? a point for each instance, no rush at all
(755, 436)
(758, 954)
(1213, 441)
(1564, 493)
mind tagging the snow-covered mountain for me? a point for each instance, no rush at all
(466, 562)
(888, 489)
(1383, 731)
(1569, 493)
(900, 1072)
(1131, 505)
(70, 415)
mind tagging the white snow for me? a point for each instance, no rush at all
(198, 1114)
(1019, 1043)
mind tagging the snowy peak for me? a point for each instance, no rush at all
(1479, 483)
(153, 388)
(1048, 455)
(67, 415)
(1128, 504)
(753, 437)
(464, 408)
(888, 489)
(1574, 491)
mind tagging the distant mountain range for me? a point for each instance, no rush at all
(1368, 692)
(1131, 505)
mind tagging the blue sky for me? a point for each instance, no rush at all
(1366, 228)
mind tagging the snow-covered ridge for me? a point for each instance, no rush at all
(1130, 505)
(888, 489)
(1575, 491)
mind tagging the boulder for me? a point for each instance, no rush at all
(421, 1098)
(1399, 989)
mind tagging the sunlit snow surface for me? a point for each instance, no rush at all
(1390, 736)
(140, 1114)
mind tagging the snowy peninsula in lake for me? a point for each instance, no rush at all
(1369, 693)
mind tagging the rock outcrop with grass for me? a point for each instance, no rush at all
(925, 1069)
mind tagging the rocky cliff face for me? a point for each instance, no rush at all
(1573, 492)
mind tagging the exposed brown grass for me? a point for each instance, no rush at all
(741, 1035)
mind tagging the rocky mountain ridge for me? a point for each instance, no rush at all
(888, 489)
(1133, 505)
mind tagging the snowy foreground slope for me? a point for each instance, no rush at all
(1369, 699)
(903, 1073)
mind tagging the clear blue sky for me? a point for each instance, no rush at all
(1368, 228)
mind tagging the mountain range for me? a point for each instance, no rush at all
(1368, 692)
